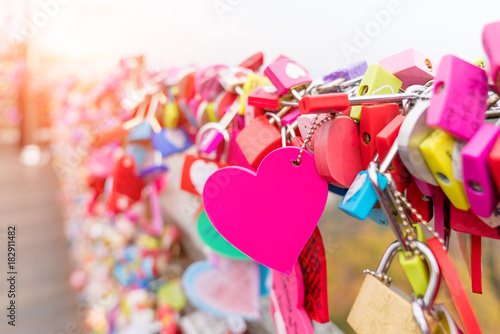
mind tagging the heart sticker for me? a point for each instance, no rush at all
(199, 173)
(215, 241)
(287, 298)
(230, 290)
(293, 71)
(257, 212)
(313, 265)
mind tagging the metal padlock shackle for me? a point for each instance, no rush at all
(427, 300)
(220, 129)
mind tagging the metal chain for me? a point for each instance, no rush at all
(314, 126)
(419, 217)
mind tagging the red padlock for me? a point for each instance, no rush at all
(258, 139)
(197, 169)
(265, 97)
(324, 104)
(494, 162)
(337, 151)
(127, 185)
(384, 140)
(373, 119)
(422, 204)
(253, 62)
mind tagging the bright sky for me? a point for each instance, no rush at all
(209, 31)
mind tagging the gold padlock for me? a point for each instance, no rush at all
(380, 308)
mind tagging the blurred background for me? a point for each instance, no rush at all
(59, 58)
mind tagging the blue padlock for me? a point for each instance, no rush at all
(378, 216)
(140, 132)
(337, 190)
(170, 141)
(138, 152)
(359, 200)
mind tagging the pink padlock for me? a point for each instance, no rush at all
(286, 74)
(479, 186)
(291, 117)
(492, 48)
(459, 99)
(304, 125)
(409, 66)
(207, 82)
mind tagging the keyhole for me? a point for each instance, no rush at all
(364, 90)
(476, 186)
(367, 139)
(443, 178)
(428, 64)
(439, 87)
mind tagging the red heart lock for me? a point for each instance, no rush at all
(127, 185)
(313, 265)
(337, 151)
(196, 171)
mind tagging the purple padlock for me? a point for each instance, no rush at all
(350, 72)
(458, 102)
(479, 186)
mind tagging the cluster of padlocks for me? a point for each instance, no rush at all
(404, 141)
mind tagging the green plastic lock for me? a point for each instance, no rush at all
(415, 267)
(376, 81)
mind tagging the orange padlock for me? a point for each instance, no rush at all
(337, 151)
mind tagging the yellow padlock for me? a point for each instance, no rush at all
(479, 62)
(416, 268)
(437, 150)
(171, 115)
(211, 113)
(376, 81)
(253, 81)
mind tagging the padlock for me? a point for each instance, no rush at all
(304, 123)
(253, 81)
(422, 204)
(337, 151)
(197, 169)
(409, 66)
(478, 182)
(258, 139)
(265, 97)
(383, 142)
(376, 81)
(233, 78)
(223, 102)
(468, 222)
(207, 82)
(360, 199)
(382, 309)
(459, 98)
(127, 185)
(291, 117)
(352, 71)
(412, 133)
(286, 75)
(494, 162)
(254, 62)
(492, 49)
(325, 104)
(373, 120)
(152, 168)
(437, 151)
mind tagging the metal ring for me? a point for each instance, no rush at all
(275, 117)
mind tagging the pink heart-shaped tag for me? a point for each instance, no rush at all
(270, 214)
(287, 303)
(231, 289)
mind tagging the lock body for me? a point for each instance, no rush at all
(376, 81)
(437, 151)
(374, 118)
(336, 151)
(286, 74)
(409, 66)
(478, 182)
(383, 141)
(459, 98)
(352, 71)
(360, 199)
